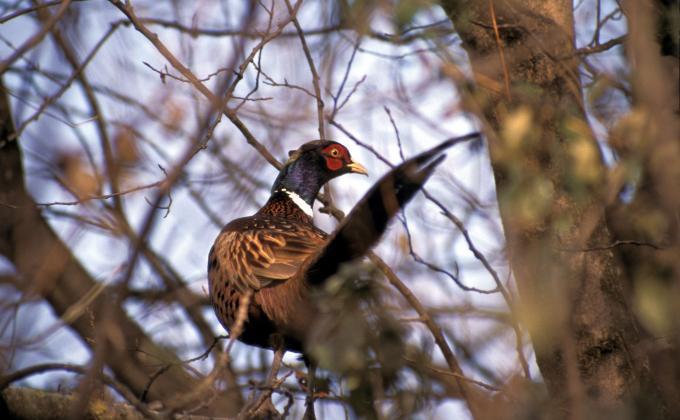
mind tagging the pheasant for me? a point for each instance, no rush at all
(271, 261)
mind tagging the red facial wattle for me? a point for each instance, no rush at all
(334, 164)
(336, 157)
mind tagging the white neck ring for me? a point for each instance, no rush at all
(302, 204)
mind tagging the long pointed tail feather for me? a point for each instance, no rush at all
(366, 223)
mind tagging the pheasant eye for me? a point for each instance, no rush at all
(335, 153)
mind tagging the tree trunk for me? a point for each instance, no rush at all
(552, 193)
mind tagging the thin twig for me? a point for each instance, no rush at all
(602, 47)
(449, 373)
(612, 245)
(37, 37)
(436, 331)
(312, 69)
(466, 235)
(66, 85)
(337, 107)
(31, 9)
(217, 103)
(501, 53)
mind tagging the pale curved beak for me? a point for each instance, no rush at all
(357, 168)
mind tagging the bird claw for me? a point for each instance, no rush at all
(301, 378)
(302, 381)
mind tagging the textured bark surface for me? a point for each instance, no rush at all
(26, 403)
(653, 216)
(552, 196)
(34, 404)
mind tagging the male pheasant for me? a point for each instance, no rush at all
(273, 259)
